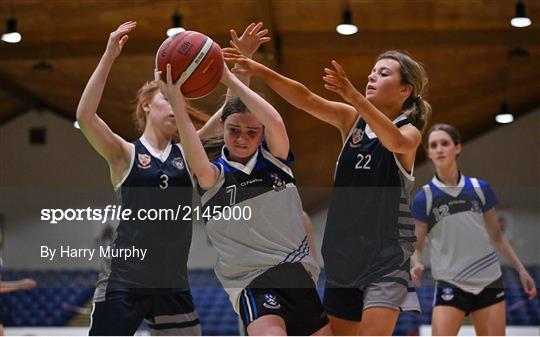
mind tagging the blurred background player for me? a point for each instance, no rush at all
(10, 286)
(459, 214)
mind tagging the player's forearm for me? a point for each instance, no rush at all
(503, 246)
(9, 286)
(290, 90)
(263, 111)
(385, 129)
(193, 148)
(93, 91)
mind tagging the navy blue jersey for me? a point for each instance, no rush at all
(369, 230)
(461, 252)
(152, 184)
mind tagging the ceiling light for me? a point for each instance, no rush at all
(347, 27)
(504, 116)
(176, 25)
(520, 20)
(11, 35)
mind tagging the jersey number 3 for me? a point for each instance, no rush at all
(363, 162)
(164, 181)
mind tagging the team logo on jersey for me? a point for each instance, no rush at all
(356, 137)
(144, 160)
(279, 184)
(178, 162)
(271, 302)
(475, 206)
(447, 294)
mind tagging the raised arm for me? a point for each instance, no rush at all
(108, 144)
(340, 115)
(404, 140)
(247, 44)
(500, 242)
(275, 131)
(207, 173)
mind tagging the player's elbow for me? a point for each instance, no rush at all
(206, 178)
(274, 121)
(399, 145)
(83, 117)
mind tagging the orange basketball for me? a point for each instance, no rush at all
(196, 54)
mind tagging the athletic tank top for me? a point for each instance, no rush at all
(369, 230)
(151, 184)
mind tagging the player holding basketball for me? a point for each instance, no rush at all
(150, 173)
(459, 214)
(369, 233)
(264, 261)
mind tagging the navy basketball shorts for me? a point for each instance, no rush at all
(3, 308)
(288, 291)
(394, 291)
(449, 294)
(167, 314)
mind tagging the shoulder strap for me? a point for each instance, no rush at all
(478, 190)
(429, 198)
(282, 166)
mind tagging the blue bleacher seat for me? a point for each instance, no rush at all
(43, 306)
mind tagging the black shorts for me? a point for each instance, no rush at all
(167, 314)
(3, 308)
(449, 294)
(288, 291)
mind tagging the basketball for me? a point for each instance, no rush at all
(196, 54)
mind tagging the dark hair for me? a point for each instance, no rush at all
(232, 106)
(412, 73)
(449, 129)
(212, 146)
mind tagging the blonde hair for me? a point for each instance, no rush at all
(145, 95)
(412, 73)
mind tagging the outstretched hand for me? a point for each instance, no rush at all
(172, 91)
(118, 38)
(337, 81)
(27, 283)
(244, 65)
(251, 39)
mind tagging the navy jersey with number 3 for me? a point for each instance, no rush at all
(369, 230)
(152, 185)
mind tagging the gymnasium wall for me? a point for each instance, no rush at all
(68, 173)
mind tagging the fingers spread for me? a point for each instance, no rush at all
(262, 33)
(183, 78)
(256, 28)
(329, 71)
(249, 28)
(338, 67)
(169, 75)
(234, 36)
